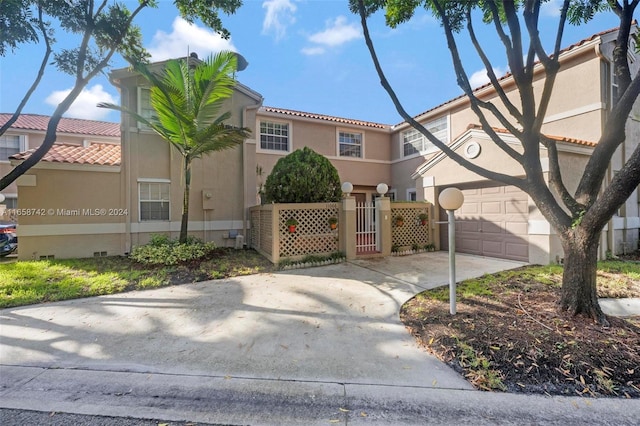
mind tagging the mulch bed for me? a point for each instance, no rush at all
(516, 340)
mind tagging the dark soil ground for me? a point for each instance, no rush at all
(509, 335)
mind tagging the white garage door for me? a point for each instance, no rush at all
(493, 221)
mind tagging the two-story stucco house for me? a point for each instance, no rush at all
(143, 191)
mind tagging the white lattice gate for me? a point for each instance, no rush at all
(367, 240)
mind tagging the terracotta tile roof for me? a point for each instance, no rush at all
(323, 117)
(555, 138)
(66, 125)
(508, 74)
(103, 154)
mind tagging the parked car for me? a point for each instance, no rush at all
(8, 239)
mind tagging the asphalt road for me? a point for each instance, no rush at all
(9, 417)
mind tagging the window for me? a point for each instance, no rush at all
(274, 136)
(414, 142)
(9, 145)
(350, 144)
(144, 105)
(154, 201)
(411, 195)
(614, 88)
(11, 203)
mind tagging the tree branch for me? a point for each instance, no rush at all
(508, 179)
(463, 82)
(36, 82)
(619, 190)
(515, 113)
(555, 178)
(81, 82)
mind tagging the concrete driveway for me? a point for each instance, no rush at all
(334, 323)
(301, 335)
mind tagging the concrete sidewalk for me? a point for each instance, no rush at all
(310, 346)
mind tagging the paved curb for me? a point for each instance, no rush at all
(232, 400)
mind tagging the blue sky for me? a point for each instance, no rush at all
(306, 55)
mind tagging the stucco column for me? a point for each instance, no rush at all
(384, 224)
(347, 227)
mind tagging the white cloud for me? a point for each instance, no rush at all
(311, 51)
(480, 78)
(280, 14)
(85, 105)
(185, 38)
(337, 32)
(551, 8)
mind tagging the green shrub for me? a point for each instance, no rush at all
(162, 250)
(303, 176)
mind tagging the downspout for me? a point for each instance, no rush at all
(610, 240)
(245, 207)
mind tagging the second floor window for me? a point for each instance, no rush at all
(350, 144)
(9, 145)
(274, 136)
(414, 142)
(144, 105)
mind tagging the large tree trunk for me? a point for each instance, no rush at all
(579, 296)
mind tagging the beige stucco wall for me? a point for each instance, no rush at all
(322, 137)
(72, 213)
(33, 139)
(219, 174)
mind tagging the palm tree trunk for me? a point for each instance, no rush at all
(185, 201)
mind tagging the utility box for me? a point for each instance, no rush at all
(207, 199)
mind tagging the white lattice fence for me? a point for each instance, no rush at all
(313, 234)
(412, 230)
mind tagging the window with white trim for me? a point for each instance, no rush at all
(9, 145)
(274, 136)
(350, 144)
(414, 142)
(412, 195)
(154, 201)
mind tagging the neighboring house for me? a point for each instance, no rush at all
(145, 188)
(28, 132)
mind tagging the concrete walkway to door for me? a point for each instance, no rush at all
(312, 346)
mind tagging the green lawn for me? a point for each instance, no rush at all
(616, 279)
(30, 282)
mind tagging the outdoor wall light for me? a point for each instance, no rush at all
(347, 187)
(382, 188)
(451, 199)
(1, 198)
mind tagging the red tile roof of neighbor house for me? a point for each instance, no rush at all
(323, 117)
(102, 154)
(67, 125)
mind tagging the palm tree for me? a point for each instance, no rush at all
(187, 101)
